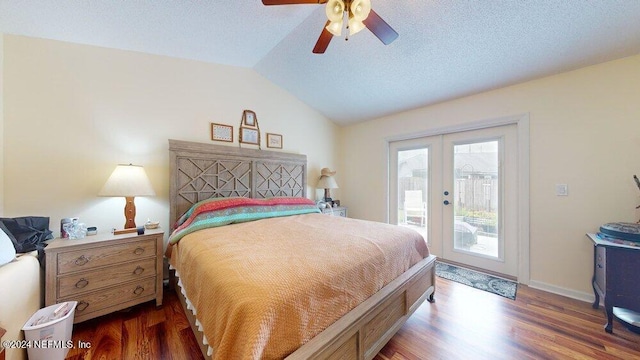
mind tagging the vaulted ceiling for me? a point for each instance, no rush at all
(446, 48)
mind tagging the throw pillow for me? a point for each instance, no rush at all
(7, 251)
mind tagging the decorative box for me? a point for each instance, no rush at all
(622, 230)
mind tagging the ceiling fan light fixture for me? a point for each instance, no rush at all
(335, 27)
(335, 10)
(360, 9)
(356, 13)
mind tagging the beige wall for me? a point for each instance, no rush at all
(584, 132)
(73, 112)
(1, 124)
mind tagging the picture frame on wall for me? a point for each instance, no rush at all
(249, 136)
(249, 129)
(249, 118)
(221, 132)
(274, 141)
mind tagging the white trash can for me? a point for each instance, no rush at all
(48, 332)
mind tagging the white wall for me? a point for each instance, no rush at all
(73, 112)
(584, 132)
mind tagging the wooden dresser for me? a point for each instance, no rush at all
(105, 272)
(615, 268)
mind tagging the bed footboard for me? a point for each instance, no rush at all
(362, 332)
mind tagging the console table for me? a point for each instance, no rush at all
(615, 268)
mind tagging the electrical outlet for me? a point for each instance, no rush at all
(562, 190)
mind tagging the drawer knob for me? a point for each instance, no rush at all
(82, 283)
(138, 251)
(139, 290)
(81, 260)
(139, 270)
(82, 305)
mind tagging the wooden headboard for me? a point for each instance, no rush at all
(201, 171)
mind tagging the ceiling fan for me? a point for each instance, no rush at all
(358, 13)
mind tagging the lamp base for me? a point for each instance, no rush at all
(139, 230)
(327, 195)
(130, 213)
(124, 231)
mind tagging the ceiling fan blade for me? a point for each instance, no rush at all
(323, 40)
(380, 28)
(292, 2)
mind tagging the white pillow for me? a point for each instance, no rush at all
(7, 251)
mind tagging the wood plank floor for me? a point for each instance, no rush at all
(464, 323)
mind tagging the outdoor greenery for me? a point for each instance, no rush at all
(487, 221)
(490, 216)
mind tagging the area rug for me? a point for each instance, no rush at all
(478, 280)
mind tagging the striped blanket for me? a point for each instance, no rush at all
(224, 211)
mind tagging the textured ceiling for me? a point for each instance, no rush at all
(446, 49)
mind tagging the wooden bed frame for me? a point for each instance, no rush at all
(201, 171)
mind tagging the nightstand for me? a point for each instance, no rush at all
(614, 269)
(105, 272)
(335, 211)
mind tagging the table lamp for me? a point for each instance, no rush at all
(128, 181)
(327, 182)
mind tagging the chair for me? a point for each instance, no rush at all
(414, 206)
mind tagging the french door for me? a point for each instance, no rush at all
(460, 191)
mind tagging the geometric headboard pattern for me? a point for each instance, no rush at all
(201, 171)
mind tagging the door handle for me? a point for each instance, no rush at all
(446, 202)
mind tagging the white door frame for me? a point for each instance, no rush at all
(522, 121)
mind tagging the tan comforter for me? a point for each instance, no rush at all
(262, 289)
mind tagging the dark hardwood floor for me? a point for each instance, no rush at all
(142, 332)
(464, 323)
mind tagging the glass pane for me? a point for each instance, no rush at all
(476, 198)
(413, 175)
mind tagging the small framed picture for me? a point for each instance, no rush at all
(249, 118)
(249, 136)
(221, 132)
(274, 141)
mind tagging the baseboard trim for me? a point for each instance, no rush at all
(574, 294)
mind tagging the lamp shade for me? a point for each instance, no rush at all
(335, 10)
(127, 180)
(327, 182)
(360, 9)
(355, 26)
(335, 28)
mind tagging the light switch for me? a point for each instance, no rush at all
(562, 190)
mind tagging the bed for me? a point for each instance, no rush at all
(356, 319)
(21, 289)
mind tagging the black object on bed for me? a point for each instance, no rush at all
(28, 233)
